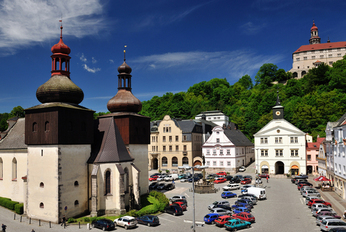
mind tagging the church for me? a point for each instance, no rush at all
(60, 161)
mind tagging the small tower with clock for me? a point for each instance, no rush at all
(278, 109)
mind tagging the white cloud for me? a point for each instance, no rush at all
(250, 28)
(234, 63)
(93, 60)
(111, 61)
(83, 58)
(92, 70)
(23, 23)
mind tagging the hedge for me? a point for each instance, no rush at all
(19, 208)
(12, 205)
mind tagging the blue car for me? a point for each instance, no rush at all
(211, 217)
(241, 210)
(195, 179)
(228, 194)
(148, 220)
(248, 208)
(244, 202)
(236, 224)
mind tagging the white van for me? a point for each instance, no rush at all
(231, 187)
(171, 177)
(260, 193)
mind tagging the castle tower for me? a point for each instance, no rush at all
(314, 39)
(59, 133)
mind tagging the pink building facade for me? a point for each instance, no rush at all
(312, 151)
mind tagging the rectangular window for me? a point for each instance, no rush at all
(264, 152)
(344, 170)
(164, 148)
(330, 55)
(208, 163)
(321, 56)
(214, 152)
(221, 152)
(163, 138)
(339, 54)
(153, 139)
(294, 152)
(214, 163)
(228, 163)
(279, 152)
(313, 57)
(217, 140)
(208, 152)
(153, 148)
(298, 59)
(170, 148)
(330, 62)
(170, 138)
(177, 148)
(316, 157)
(177, 138)
(185, 148)
(305, 58)
(228, 151)
(278, 139)
(184, 137)
(339, 168)
(294, 139)
(309, 157)
(221, 163)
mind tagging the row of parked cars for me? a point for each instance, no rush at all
(326, 217)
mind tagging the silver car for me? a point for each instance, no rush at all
(317, 206)
(225, 203)
(126, 222)
(328, 224)
(320, 218)
(305, 188)
(253, 199)
(311, 192)
(221, 211)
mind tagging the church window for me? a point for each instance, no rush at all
(164, 161)
(41, 185)
(34, 127)
(14, 169)
(1, 169)
(76, 203)
(108, 183)
(126, 180)
(185, 160)
(46, 126)
(76, 183)
(41, 205)
(175, 161)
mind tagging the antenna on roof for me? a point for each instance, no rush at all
(125, 46)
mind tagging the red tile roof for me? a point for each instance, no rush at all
(316, 145)
(313, 47)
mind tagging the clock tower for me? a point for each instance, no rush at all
(278, 109)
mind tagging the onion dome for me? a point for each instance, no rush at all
(60, 88)
(124, 100)
(314, 28)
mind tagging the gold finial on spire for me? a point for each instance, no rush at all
(125, 46)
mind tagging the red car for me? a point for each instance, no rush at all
(180, 204)
(153, 178)
(221, 174)
(220, 180)
(263, 175)
(314, 201)
(246, 181)
(222, 220)
(303, 184)
(244, 216)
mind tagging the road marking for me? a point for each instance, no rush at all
(166, 219)
(301, 200)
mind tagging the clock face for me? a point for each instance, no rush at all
(277, 113)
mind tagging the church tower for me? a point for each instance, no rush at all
(314, 39)
(59, 133)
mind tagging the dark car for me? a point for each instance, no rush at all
(229, 177)
(169, 186)
(153, 185)
(340, 229)
(199, 175)
(195, 179)
(161, 186)
(104, 224)
(148, 220)
(249, 194)
(235, 180)
(174, 209)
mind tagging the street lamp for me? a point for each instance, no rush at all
(186, 167)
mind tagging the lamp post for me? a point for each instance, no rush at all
(186, 167)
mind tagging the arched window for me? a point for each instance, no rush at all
(108, 182)
(175, 161)
(1, 169)
(76, 183)
(185, 160)
(76, 203)
(14, 169)
(41, 205)
(34, 127)
(42, 185)
(46, 126)
(295, 75)
(126, 179)
(303, 73)
(164, 161)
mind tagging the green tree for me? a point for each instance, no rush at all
(17, 111)
(266, 74)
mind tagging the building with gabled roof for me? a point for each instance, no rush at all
(312, 154)
(315, 53)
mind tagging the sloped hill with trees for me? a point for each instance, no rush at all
(309, 102)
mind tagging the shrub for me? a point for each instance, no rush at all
(19, 208)
(71, 220)
(86, 219)
(11, 204)
(133, 213)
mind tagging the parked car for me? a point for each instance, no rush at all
(161, 177)
(318, 212)
(161, 186)
(236, 224)
(299, 186)
(177, 197)
(320, 218)
(195, 179)
(329, 213)
(311, 192)
(184, 180)
(302, 189)
(126, 222)
(246, 181)
(210, 179)
(153, 185)
(320, 201)
(263, 175)
(174, 209)
(248, 194)
(308, 198)
(221, 211)
(241, 210)
(181, 176)
(251, 198)
(181, 204)
(221, 174)
(258, 181)
(148, 220)
(231, 187)
(337, 229)
(229, 177)
(237, 206)
(328, 224)
(104, 224)
(244, 216)
(241, 169)
(179, 200)
(220, 222)
(248, 176)
(169, 186)
(228, 194)
(220, 180)
(235, 180)
(210, 218)
(153, 178)
(318, 206)
(219, 203)
(222, 206)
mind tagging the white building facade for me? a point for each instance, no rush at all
(215, 116)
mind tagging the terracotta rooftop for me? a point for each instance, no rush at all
(315, 145)
(313, 47)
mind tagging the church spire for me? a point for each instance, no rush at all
(314, 39)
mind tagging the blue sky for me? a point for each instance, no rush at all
(171, 44)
